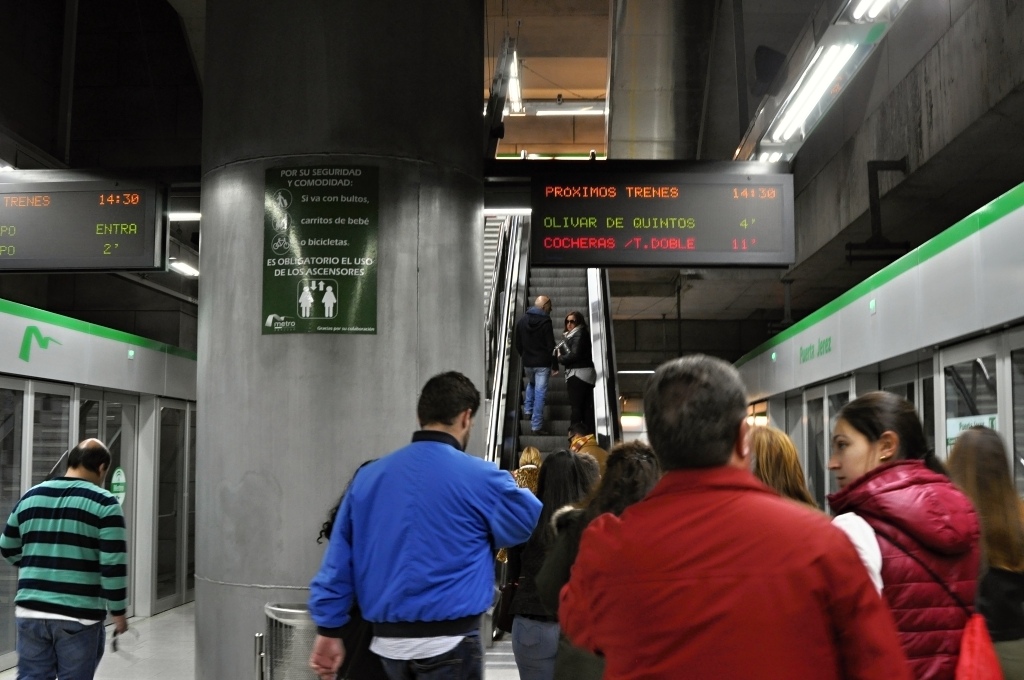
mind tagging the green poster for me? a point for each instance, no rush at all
(320, 250)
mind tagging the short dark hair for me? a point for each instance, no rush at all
(444, 397)
(91, 454)
(694, 407)
(578, 428)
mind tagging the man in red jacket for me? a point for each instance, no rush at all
(713, 575)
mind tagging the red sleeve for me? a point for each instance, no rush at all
(865, 634)
(581, 601)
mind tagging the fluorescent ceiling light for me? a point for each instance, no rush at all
(764, 156)
(183, 268)
(877, 8)
(565, 111)
(821, 74)
(515, 90)
(184, 216)
(499, 212)
(862, 8)
(775, 157)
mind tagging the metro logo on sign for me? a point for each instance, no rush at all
(33, 333)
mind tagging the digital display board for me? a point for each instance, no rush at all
(662, 219)
(81, 225)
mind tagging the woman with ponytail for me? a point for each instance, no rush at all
(916, 533)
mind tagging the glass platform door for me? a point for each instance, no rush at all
(174, 572)
(12, 443)
(113, 419)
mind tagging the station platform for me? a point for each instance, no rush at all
(165, 650)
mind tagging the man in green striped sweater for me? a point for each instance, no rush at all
(67, 538)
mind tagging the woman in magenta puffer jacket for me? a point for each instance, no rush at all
(912, 527)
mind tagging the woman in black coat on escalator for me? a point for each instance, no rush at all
(574, 353)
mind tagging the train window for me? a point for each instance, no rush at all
(927, 410)
(89, 419)
(836, 401)
(51, 434)
(12, 420)
(817, 450)
(1017, 367)
(971, 396)
(795, 426)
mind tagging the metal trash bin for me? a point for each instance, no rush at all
(289, 642)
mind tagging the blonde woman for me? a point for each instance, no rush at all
(774, 460)
(529, 469)
(526, 476)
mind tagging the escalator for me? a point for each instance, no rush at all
(567, 289)
(514, 286)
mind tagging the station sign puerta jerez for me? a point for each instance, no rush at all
(80, 224)
(662, 219)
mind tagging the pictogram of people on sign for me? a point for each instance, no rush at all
(310, 307)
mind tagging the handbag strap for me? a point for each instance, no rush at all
(931, 572)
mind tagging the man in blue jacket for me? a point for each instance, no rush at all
(413, 543)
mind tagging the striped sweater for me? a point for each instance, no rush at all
(67, 537)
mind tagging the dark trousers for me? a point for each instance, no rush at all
(581, 403)
(464, 662)
(54, 648)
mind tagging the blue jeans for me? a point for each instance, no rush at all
(51, 648)
(536, 390)
(465, 662)
(535, 645)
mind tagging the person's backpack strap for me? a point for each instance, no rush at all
(928, 569)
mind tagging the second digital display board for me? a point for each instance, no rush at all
(662, 219)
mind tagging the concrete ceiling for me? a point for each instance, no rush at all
(564, 48)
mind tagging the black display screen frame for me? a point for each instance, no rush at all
(710, 195)
(63, 236)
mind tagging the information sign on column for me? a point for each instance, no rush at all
(320, 250)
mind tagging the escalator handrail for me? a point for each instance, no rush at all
(498, 277)
(606, 397)
(501, 317)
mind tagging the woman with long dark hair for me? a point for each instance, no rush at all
(978, 464)
(631, 472)
(915, 531)
(564, 479)
(575, 354)
(360, 663)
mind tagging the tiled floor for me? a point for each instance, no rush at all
(165, 650)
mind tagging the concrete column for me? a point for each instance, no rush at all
(284, 420)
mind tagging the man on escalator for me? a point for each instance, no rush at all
(535, 343)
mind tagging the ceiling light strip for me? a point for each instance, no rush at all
(877, 8)
(825, 72)
(515, 90)
(570, 112)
